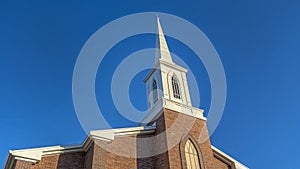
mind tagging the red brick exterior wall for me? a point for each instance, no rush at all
(179, 129)
(64, 161)
(49, 162)
(172, 128)
(145, 147)
(218, 164)
(20, 164)
(88, 159)
(109, 160)
(221, 162)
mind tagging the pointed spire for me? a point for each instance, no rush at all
(162, 52)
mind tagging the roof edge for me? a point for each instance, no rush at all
(35, 154)
(238, 165)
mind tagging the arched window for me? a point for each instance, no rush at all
(191, 156)
(154, 90)
(175, 86)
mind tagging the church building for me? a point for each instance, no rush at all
(173, 134)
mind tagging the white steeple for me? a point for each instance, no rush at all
(162, 52)
(167, 85)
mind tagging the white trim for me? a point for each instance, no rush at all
(150, 73)
(238, 165)
(172, 105)
(34, 155)
(26, 159)
(173, 65)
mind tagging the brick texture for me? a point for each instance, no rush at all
(22, 164)
(218, 164)
(64, 161)
(179, 128)
(173, 129)
(114, 158)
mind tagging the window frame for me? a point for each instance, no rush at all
(191, 155)
(182, 152)
(154, 91)
(176, 91)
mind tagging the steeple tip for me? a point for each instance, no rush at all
(157, 18)
(163, 52)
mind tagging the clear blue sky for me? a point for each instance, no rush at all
(258, 43)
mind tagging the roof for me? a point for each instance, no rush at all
(35, 154)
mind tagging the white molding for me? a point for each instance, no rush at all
(30, 155)
(34, 155)
(173, 65)
(105, 135)
(150, 73)
(238, 165)
(172, 105)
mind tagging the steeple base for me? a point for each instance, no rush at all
(172, 105)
